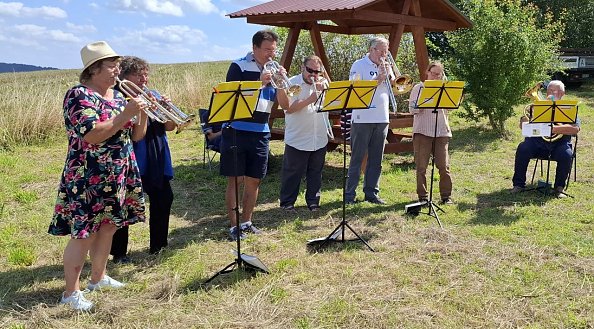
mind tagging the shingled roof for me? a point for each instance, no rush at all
(356, 16)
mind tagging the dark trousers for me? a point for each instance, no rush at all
(160, 207)
(297, 163)
(531, 148)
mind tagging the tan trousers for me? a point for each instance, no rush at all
(422, 146)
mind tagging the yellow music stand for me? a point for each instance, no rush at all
(232, 101)
(235, 100)
(561, 111)
(441, 94)
(347, 95)
(437, 94)
(343, 96)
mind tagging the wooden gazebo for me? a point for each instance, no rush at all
(392, 17)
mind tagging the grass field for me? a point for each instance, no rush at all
(501, 261)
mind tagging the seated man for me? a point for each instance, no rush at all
(537, 147)
(211, 131)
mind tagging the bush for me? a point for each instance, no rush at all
(504, 54)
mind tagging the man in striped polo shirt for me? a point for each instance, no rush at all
(251, 136)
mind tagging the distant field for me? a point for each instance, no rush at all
(31, 102)
(501, 261)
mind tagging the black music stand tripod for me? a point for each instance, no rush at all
(352, 98)
(439, 99)
(226, 110)
(552, 114)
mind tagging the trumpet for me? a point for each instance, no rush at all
(325, 82)
(159, 110)
(280, 80)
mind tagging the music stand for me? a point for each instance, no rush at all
(549, 113)
(343, 96)
(232, 101)
(436, 94)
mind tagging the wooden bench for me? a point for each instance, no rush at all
(397, 141)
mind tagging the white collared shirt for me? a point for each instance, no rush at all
(378, 112)
(305, 129)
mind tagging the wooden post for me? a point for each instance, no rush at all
(318, 45)
(418, 33)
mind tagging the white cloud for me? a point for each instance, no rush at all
(172, 41)
(81, 28)
(217, 53)
(202, 6)
(17, 9)
(31, 34)
(170, 7)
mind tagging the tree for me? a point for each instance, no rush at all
(578, 19)
(504, 54)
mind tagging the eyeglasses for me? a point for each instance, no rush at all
(312, 71)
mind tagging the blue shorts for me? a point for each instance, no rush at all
(252, 153)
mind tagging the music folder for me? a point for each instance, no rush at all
(536, 129)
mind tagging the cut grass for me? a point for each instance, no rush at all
(501, 261)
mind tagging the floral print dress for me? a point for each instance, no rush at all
(100, 182)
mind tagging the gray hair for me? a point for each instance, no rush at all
(557, 83)
(377, 40)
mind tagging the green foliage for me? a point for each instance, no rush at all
(504, 54)
(342, 50)
(578, 18)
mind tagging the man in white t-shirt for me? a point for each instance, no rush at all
(305, 138)
(370, 126)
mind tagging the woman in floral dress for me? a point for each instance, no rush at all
(100, 188)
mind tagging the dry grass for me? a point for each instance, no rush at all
(502, 261)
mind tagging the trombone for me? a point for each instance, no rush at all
(280, 80)
(158, 110)
(403, 82)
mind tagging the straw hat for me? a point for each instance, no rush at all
(96, 51)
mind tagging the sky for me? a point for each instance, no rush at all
(51, 33)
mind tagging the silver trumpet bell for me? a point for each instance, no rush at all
(160, 110)
(279, 79)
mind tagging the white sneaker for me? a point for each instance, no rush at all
(77, 301)
(106, 282)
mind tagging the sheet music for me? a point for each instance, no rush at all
(536, 129)
(252, 260)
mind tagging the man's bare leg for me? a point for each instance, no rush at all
(250, 196)
(230, 198)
